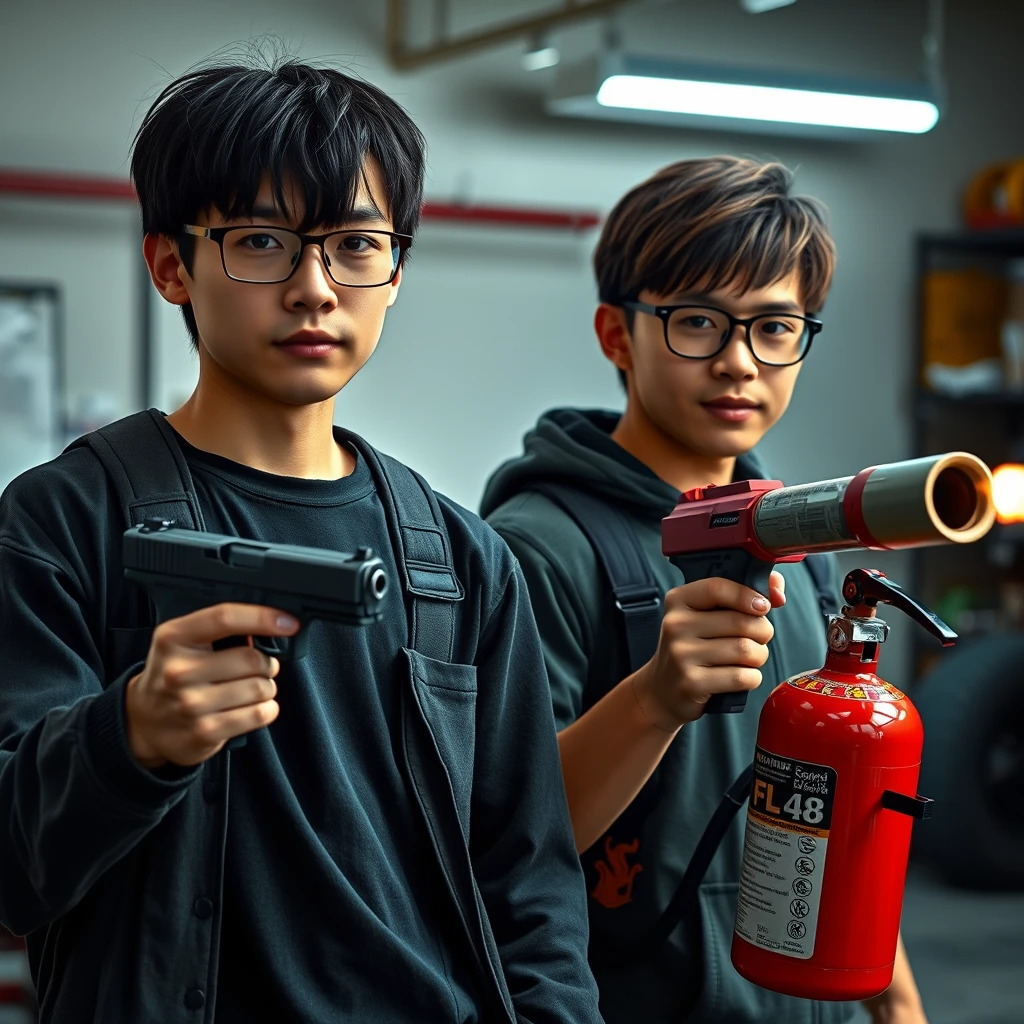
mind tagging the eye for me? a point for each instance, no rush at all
(776, 328)
(260, 242)
(698, 322)
(358, 244)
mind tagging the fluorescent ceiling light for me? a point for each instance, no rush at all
(767, 103)
(761, 6)
(540, 57)
(638, 89)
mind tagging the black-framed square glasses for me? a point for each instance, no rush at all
(265, 254)
(701, 332)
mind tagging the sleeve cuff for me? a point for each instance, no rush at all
(104, 742)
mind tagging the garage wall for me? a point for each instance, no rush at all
(497, 323)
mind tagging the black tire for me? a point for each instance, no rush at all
(972, 707)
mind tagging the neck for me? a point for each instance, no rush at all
(227, 418)
(673, 462)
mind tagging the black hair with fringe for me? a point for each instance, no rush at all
(213, 135)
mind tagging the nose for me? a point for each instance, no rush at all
(311, 287)
(736, 361)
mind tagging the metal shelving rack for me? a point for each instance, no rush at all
(990, 424)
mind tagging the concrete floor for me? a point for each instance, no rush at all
(967, 951)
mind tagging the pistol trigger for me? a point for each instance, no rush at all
(298, 643)
(268, 645)
(285, 648)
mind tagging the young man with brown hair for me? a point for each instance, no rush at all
(709, 275)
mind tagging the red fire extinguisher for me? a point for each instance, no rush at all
(832, 801)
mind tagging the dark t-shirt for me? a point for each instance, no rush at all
(328, 882)
(331, 912)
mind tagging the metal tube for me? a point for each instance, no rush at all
(939, 499)
(807, 517)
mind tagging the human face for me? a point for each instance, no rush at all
(718, 407)
(300, 341)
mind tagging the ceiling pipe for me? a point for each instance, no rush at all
(47, 185)
(405, 58)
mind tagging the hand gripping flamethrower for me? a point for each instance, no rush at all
(739, 531)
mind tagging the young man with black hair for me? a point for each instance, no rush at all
(391, 848)
(709, 275)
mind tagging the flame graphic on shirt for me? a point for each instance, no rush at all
(615, 877)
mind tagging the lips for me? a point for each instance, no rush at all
(308, 338)
(731, 409)
(310, 344)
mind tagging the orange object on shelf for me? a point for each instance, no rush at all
(963, 316)
(995, 196)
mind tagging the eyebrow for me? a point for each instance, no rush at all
(705, 299)
(358, 215)
(365, 215)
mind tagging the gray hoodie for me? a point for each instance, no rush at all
(631, 877)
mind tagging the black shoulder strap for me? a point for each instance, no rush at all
(635, 591)
(422, 552)
(684, 900)
(146, 466)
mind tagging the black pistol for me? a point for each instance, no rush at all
(185, 570)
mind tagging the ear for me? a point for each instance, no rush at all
(395, 285)
(613, 335)
(165, 268)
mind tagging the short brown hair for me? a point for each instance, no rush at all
(714, 222)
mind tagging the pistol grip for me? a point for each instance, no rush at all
(734, 564)
(222, 645)
(282, 648)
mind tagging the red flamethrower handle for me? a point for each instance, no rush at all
(738, 565)
(711, 533)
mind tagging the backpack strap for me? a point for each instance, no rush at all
(684, 901)
(636, 594)
(145, 464)
(422, 552)
(142, 460)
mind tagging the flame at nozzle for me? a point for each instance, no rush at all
(1008, 492)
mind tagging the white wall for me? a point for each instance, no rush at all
(497, 323)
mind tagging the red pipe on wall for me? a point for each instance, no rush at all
(67, 186)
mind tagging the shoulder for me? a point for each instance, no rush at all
(476, 547)
(481, 559)
(533, 522)
(63, 512)
(561, 568)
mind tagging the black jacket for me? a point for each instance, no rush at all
(116, 873)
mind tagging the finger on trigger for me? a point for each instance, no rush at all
(777, 589)
(715, 592)
(231, 619)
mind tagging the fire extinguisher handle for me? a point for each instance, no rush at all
(919, 807)
(738, 565)
(870, 587)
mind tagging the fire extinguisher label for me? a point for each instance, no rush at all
(788, 821)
